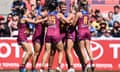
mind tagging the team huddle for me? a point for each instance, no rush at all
(58, 30)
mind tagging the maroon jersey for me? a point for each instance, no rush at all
(53, 31)
(83, 22)
(83, 28)
(53, 27)
(37, 36)
(22, 35)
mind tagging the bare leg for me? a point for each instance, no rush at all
(28, 49)
(82, 47)
(87, 46)
(60, 52)
(89, 52)
(37, 50)
(47, 52)
(68, 50)
(52, 54)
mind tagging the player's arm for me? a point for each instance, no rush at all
(62, 18)
(41, 20)
(77, 16)
(70, 18)
(34, 21)
(30, 20)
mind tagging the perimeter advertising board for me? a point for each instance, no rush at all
(106, 55)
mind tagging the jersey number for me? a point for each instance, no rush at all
(85, 19)
(52, 19)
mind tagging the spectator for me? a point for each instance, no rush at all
(38, 7)
(4, 30)
(110, 19)
(96, 21)
(28, 4)
(33, 10)
(103, 27)
(95, 24)
(17, 6)
(97, 12)
(106, 34)
(92, 31)
(115, 32)
(116, 15)
(1, 18)
(9, 17)
(13, 25)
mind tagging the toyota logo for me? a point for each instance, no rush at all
(97, 50)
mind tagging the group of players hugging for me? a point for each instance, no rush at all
(57, 30)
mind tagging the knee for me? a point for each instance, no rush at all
(29, 53)
(36, 53)
(52, 53)
(60, 48)
(47, 50)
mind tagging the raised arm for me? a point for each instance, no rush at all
(23, 20)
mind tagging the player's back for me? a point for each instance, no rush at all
(83, 21)
(52, 19)
(22, 26)
(53, 23)
(39, 27)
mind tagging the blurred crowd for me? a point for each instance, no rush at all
(101, 27)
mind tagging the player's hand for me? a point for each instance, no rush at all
(46, 18)
(37, 21)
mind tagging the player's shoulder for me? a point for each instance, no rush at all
(60, 14)
(22, 18)
(71, 14)
(79, 14)
(39, 17)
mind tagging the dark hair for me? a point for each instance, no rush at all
(82, 3)
(44, 8)
(10, 14)
(17, 3)
(22, 11)
(114, 25)
(97, 11)
(116, 6)
(52, 4)
(103, 23)
(38, 0)
(116, 22)
(61, 3)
